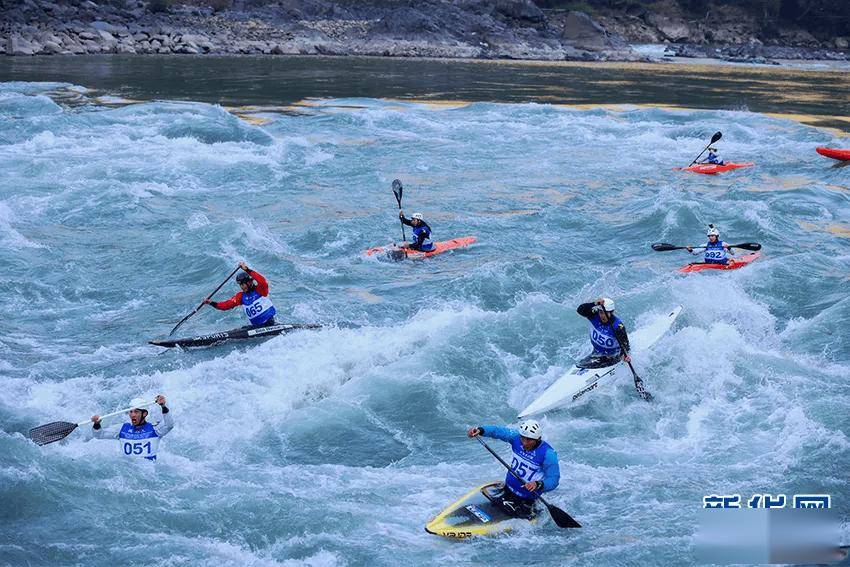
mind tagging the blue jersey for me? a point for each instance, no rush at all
(139, 441)
(714, 158)
(715, 253)
(602, 336)
(423, 229)
(540, 464)
(258, 308)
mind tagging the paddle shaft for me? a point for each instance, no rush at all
(398, 191)
(714, 138)
(752, 246)
(562, 519)
(125, 410)
(186, 318)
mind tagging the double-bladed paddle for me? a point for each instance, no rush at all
(561, 518)
(186, 318)
(58, 430)
(717, 136)
(664, 247)
(398, 191)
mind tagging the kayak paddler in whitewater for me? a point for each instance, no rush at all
(421, 232)
(713, 158)
(254, 298)
(608, 335)
(716, 251)
(534, 461)
(138, 438)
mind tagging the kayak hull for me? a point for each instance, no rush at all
(734, 264)
(712, 169)
(233, 334)
(396, 253)
(841, 155)
(476, 513)
(578, 382)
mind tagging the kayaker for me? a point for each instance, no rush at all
(534, 460)
(607, 332)
(254, 297)
(138, 438)
(713, 158)
(421, 233)
(716, 251)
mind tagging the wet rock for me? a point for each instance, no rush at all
(581, 31)
(17, 45)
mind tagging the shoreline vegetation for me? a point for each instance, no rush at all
(755, 31)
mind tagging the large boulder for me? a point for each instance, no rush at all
(673, 29)
(582, 32)
(16, 45)
(520, 10)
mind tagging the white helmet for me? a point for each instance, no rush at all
(712, 231)
(417, 216)
(607, 304)
(139, 404)
(530, 429)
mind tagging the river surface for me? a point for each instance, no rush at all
(132, 186)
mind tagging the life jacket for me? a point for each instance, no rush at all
(258, 308)
(715, 253)
(139, 441)
(528, 465)
(602, 336)
(427, 244)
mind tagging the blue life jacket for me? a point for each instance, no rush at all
(602, 336)
(714, 158)
(715, 253)
(427, 244)
(527, 465)
(258, 308)
(139, 441)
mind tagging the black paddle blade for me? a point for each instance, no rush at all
(44, 434)
(561, 518)
(717, 136)
(398, 191)
(663, 247)
(396, 255)
(642, 391)
(752, 246)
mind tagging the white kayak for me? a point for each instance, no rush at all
(581, 380)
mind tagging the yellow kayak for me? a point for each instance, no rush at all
(476, 513)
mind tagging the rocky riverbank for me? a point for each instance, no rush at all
(484, 29)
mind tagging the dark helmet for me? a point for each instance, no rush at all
(244, 278)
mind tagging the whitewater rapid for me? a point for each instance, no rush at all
(335, 447)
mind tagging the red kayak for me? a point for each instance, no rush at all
(396, 253)
(843, 155)
(734, 264)
(712, 168)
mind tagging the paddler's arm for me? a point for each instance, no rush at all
(728, 249)
(586, 310)
(100, 433)
(262, 283)
(623, 338)
(551, 472)
(226, 304)
(404, 220)
(167, 423)
(494, 431)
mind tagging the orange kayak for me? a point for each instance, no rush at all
(734, 264)
(711, 168)
(396, 253)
